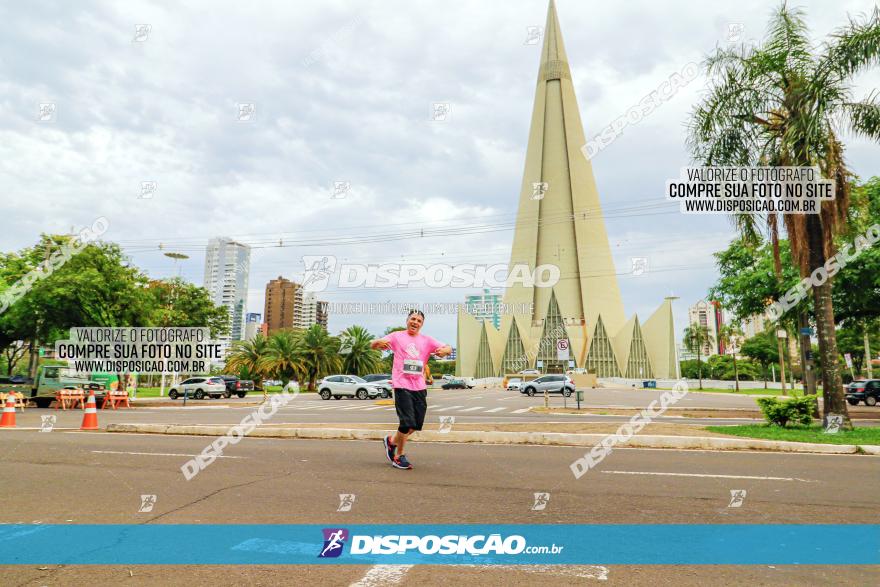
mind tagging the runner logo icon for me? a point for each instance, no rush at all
(334, 541)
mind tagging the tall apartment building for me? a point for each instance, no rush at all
(306, 309)
(280, 306)
(322, 314)
(227, 264)
(710, 315)
(253, 325)
(485, 306)
(309, 310)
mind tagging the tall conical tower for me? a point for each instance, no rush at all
(559, 223)
(564, 227)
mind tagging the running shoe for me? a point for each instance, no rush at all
(401, 463)
(389, 448)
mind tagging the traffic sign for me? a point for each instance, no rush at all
(807, 331)
(562, 349)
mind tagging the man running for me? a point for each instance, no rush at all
(411, 352)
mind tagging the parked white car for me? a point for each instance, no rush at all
(199, 387)
(514, 383)
(339, 386)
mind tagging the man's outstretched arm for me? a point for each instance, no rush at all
(443, 351)
(380, 343)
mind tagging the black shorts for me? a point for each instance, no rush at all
(411, 407)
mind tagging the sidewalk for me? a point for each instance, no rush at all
(462, 433)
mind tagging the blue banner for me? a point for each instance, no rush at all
(636, 544)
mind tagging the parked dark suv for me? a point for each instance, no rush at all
(236, 386)
(867, 391)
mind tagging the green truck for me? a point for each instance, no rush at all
(51, 378)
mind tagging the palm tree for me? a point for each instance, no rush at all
(283, 357)
(319, 353)
(695, 338)
(357, 356)
(245, 356)
(730, 336)
(784, 104)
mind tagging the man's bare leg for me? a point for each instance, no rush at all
(400, 440)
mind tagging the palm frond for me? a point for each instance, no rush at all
(855, 48)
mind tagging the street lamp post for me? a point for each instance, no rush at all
(177, 257)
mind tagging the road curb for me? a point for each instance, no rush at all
(530, 438)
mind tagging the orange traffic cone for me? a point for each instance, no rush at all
(90, 417)
(8, 419)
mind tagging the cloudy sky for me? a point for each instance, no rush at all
(343, 91)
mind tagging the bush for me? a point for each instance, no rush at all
(798, 410)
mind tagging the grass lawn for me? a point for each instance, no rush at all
(812, 433)
(799, 391)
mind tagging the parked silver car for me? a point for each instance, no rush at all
(199, 387)
(550, 383)
(339, 386)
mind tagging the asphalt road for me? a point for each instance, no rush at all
(467, 406)
(76, 477)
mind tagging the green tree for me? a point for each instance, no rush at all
(245, 359)
(320, 353)
(98, 286)
(282, 357)
(696, 337)
(783, 104)
(730, 337)
(357, 356)
(851, 340)
(763, 349)
(176, 302)
(856, 292)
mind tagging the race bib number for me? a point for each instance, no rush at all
(413, 366)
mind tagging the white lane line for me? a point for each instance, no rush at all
(373, 408)
(472, 409)
(446, 408)
(522, 411)
(495, 410)
(157, 454)
(382, 576)
(711, 476)
(582, 571)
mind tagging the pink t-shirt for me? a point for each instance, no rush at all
(410, 357)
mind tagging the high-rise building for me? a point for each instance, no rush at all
(306, 313)
(485, 306)
(252, 326)
(280, 304)
(708, 314)
(323, 313)
(560, 223)
(227, 264)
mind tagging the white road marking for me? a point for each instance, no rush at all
(472, 409)
(373, 408)
(446, 408)
(522, 411)
(158, 454)
(597, 572)
(495, 410)
(382, 576)
(711, 476)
